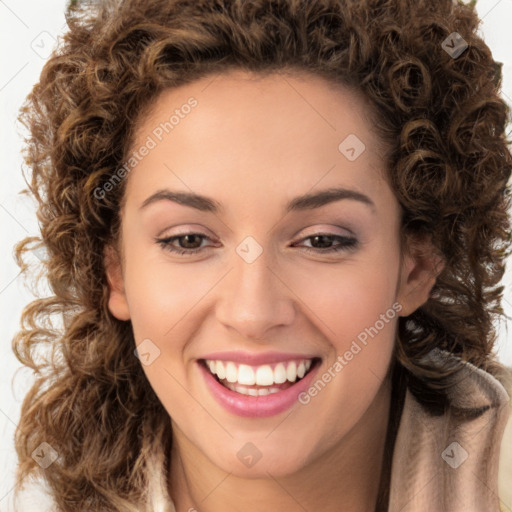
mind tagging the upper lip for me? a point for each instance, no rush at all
(255, 359)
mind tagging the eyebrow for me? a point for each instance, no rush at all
(307, 201)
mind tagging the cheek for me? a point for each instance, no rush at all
(162, 298)
(161, 293)
(348, 298)
(356, 310)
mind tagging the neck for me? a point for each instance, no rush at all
(349, 477)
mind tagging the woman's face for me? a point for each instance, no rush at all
(259, 292)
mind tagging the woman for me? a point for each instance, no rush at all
(276, 232)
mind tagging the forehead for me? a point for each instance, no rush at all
(250, 100)
(269, 133)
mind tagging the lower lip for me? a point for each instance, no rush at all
(257, 406)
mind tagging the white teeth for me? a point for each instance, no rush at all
(219, 370)
(263, 375)
(245, 375)
(279, 373)
(291, 372)
(231, 372)
(251, 391)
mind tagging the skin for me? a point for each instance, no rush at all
(329, 451)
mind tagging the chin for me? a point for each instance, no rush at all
(259, 459)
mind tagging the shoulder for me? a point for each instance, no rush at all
(461, 428)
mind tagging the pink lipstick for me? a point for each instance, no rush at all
(257, 385)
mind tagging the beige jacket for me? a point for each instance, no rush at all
(450, 462)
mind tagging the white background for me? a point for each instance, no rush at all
(28, 31)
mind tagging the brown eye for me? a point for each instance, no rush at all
(322, 243)
(189, 243)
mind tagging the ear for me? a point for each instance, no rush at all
(117, 303)
(419, 270)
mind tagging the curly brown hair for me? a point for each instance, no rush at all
(440, 118)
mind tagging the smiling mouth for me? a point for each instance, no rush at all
(259, 380)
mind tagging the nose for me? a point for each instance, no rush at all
(254, 298)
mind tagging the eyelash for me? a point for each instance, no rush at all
(346, 243)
